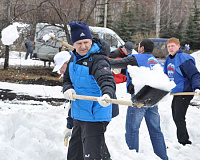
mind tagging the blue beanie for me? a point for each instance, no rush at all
(79, 31)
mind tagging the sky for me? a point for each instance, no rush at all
(33, 130)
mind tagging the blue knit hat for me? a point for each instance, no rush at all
(79, 31)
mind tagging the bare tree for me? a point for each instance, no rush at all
(157, 18)
(14, 10)
(50, 11)
(63, 11)
(6, 62)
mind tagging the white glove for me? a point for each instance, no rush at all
(197, 92)
(68, 94)
(67, 133)
(116, 71)
(102, 101)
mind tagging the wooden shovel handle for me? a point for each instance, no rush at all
(70, 47)
(115, 101)
(183, 93)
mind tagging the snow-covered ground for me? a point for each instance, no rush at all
(35, 132)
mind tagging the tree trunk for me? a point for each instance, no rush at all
(6, 64)
(105, 13)
(169, 14)
(157, 18)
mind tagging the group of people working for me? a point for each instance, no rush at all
(89, 71)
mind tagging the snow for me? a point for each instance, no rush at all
(17, 58)
(46, 37)
(9, 34)
(196, 55)
(154, 77)
(20, 24)
(35, 132)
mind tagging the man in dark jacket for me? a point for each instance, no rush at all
(180, 68)
(88, 73)
(29, 49)
(121, 52)
(135, 115)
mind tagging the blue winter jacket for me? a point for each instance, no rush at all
(181, 69)
(90, 75)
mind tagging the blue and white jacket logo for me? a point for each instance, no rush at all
(171, 71)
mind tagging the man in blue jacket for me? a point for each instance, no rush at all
(88, 73)
(135, 115)
(29, 49)
(180, 68)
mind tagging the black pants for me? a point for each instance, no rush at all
(179, 108)
(88, 142)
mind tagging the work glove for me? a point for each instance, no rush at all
(116, 71)
(69, 94)
(102, 100)
(67, 133)
(197, 92)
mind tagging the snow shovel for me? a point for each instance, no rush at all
(147, 96)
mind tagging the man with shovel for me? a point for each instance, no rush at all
(61, 60)
(88, 73)
(180, 68)
(150, 113)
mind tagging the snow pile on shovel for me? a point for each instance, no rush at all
(196, 55)
(9, 35)
(46, 37)
(154, 77)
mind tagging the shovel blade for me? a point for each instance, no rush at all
(148, 96)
